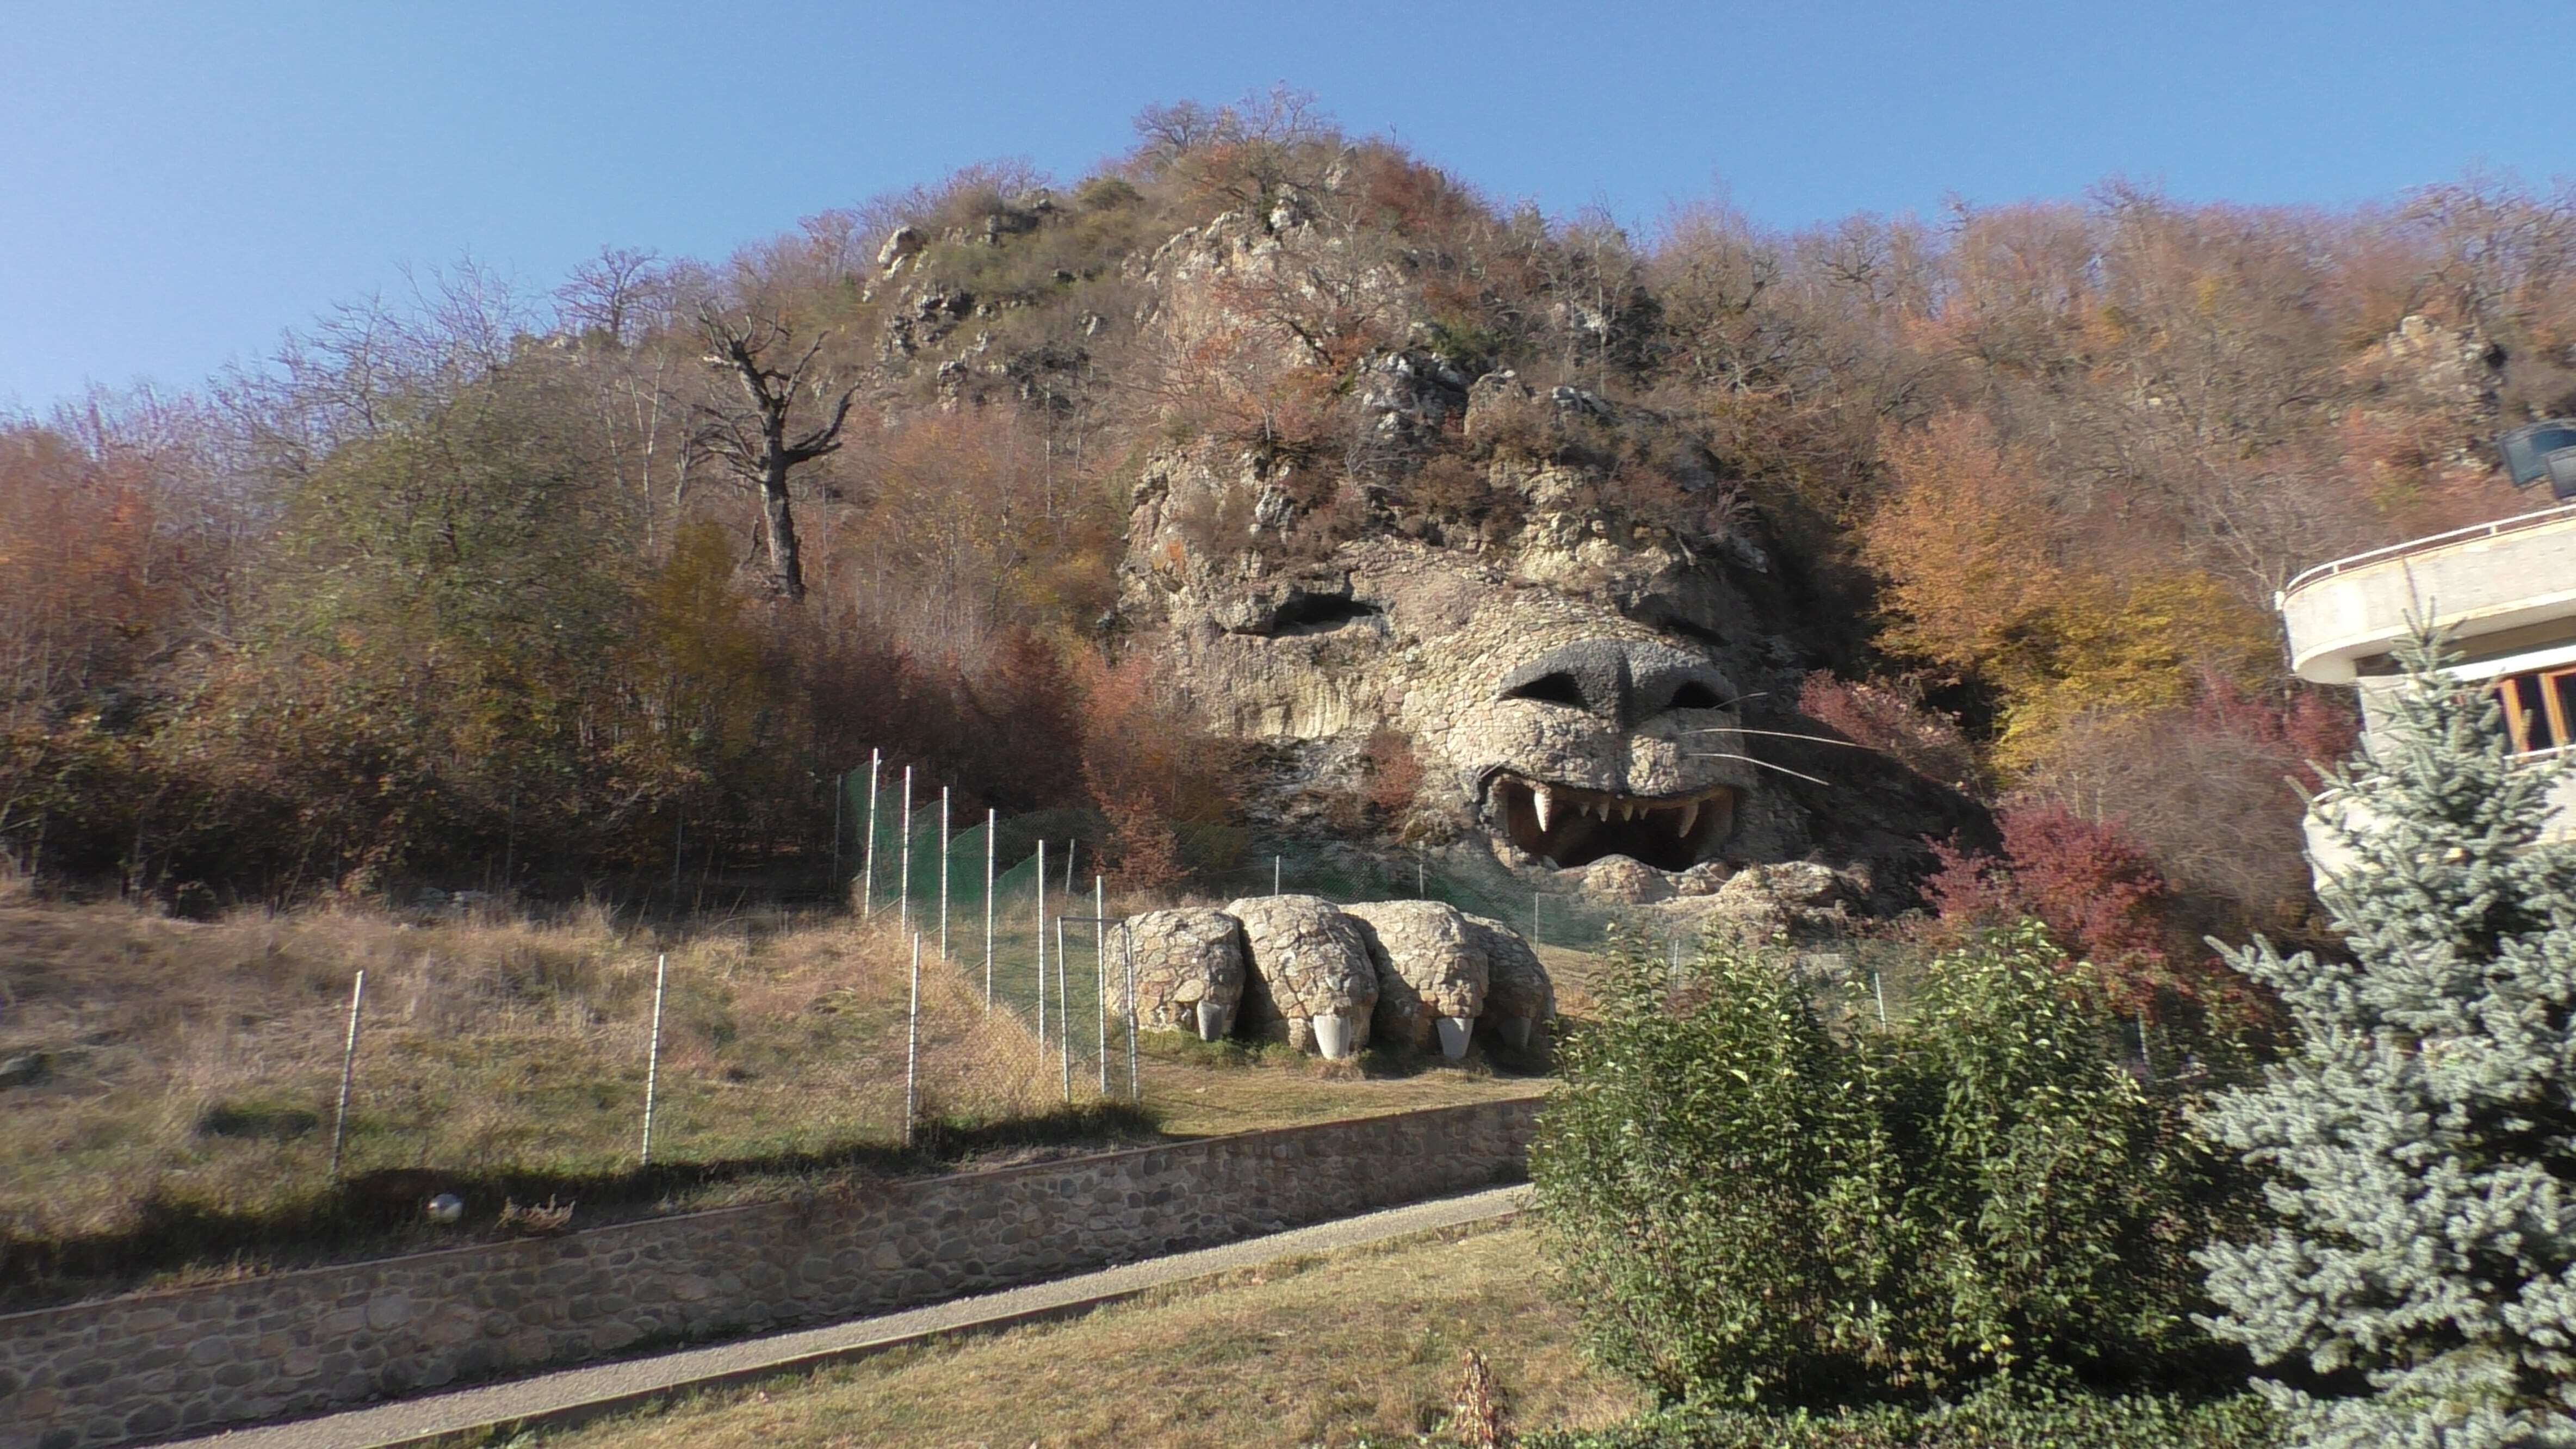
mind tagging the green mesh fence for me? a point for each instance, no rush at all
(1479, 888)
(993, 933)
(882, 875)
(1077, 1005)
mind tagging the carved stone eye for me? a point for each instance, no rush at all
(1552, 688)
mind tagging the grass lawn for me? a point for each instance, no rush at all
(176, 1081)
(1310, 1351)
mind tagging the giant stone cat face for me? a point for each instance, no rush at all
(1552, 721)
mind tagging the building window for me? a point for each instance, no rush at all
(2539, 709)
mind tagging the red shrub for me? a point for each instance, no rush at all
(1894, 720)
(2092, 885)
(1151, 768)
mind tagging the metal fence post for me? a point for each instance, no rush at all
(653, 1059)
(989, 834)
(943, 873)
(903, 884)
(912, 1047)
(1042, 955)
(1100, 971)
(1275, 871)
(1127, 946)
(840, 786)
(348, 1070)
(1063, 1012)
(1878, 983)
(868, 892)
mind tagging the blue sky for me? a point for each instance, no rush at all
(179, 182)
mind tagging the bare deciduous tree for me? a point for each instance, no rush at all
(756, 442)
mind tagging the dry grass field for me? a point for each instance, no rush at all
(1317, 1351)
(174, 1082)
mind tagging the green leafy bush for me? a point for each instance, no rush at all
(1755, 1210)
(1998, 1415)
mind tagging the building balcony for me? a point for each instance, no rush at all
(2503, 590)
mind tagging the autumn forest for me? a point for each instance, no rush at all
(558, 588)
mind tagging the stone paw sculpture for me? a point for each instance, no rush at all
(1329, 979)
(1190, 970)
(1431, 974)
(1312, 982)
(1520, 1001)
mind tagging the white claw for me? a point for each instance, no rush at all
(1545, 799)
(1690, 817)
(1454, 1031)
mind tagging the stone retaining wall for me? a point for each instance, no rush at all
(158, 1364)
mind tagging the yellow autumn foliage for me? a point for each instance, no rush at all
(1976, 583)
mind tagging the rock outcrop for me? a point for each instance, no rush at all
(1558, 601)
(1312, 983)
(1431, 973)
(1190, 970)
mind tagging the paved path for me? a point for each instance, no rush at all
(572, 1395)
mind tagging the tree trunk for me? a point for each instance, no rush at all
(785, 566)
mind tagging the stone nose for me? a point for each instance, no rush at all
(1620, 681)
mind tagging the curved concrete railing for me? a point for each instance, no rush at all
(2480, 580)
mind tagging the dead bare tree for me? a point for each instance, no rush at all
(756, 442)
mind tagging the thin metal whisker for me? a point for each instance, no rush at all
(1781, 735)
(1766, 764)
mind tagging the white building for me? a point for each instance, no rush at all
(2505, 591)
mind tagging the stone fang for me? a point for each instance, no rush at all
(1546, 801)
(1333, 1036)
(1689, 818)
(1453, 1036)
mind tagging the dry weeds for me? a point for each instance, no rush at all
(181, 1123)
(186, 1070)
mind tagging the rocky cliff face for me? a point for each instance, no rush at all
(1556, 604)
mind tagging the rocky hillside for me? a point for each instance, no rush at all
(1270, 481)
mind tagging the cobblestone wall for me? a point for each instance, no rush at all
(158, 1364)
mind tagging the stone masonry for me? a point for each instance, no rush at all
(1185, 958)
(1520, 1001)
(152, 1365)
(1428, 967)
(1308, 960)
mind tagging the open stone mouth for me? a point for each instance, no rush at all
(1569, 827)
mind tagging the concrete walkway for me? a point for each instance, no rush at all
(572, 1395)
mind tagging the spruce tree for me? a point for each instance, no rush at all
(2419, 1150)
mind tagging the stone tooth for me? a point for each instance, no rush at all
(1689, 817)
(1545, 799)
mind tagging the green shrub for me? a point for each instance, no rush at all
(2001, 1414)
(1753, 1210)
